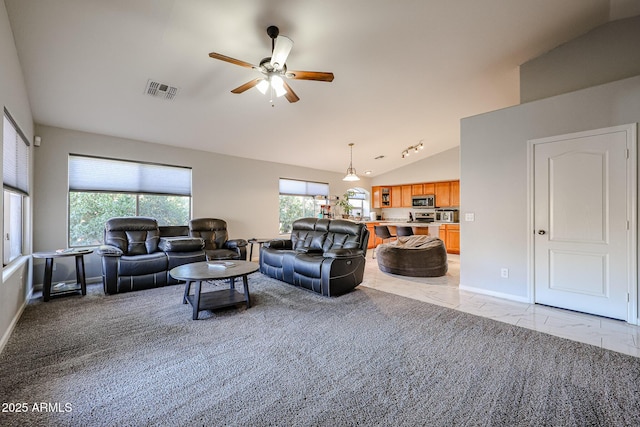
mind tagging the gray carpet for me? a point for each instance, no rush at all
(298, 359)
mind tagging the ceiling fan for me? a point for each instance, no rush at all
(274, 68)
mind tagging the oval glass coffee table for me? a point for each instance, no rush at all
(199, 272)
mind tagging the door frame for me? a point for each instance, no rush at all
(632, 197)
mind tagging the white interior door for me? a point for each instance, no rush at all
(582, 241)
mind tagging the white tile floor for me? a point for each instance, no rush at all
(602, 332)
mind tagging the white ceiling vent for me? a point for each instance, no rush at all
(160, 90)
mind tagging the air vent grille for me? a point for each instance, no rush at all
(161, 90)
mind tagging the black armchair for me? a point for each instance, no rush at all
(217, 245)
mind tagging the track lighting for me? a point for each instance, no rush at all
(414, 148)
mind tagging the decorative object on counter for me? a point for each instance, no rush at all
(414, 256)
(345, 205)
(351, 171)
(414, 148)
(381, 231)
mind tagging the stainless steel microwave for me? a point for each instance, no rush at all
(423, 202)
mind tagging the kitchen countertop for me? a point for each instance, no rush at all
(412, 223)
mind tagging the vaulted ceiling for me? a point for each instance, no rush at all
(405, 71)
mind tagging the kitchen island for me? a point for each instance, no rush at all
(448, 232)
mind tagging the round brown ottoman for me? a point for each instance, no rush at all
(416, 256)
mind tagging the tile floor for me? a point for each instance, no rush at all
(602, 332)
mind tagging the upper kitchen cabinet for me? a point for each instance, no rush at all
(443, 194)
(376, 197)
(396, 196)
(406, 196)
(455, 193)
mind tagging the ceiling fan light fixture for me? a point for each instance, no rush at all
(351, 172)
(278, 85)
(263, 87)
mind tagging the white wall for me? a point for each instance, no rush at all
(605, 54)
(443, 166)
(13, 97)
(494, 175)
(241, 191)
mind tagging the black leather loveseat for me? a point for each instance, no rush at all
(137, 254)
(322, 255)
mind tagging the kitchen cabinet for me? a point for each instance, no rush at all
(385, 197)
(406, 196)
(417, 190)
(443, 194)
(428, 188)
(455, 193)
(396, 196)
(372, 235)
(450, 235)
(376, 197)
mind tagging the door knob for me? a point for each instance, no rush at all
(542, 232)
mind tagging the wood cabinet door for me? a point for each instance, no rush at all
(372, 235)
(396, 196)
(443, 234)
(417, 190)
(455, 193)
(406, 196)
(375, 192)
(428, 188)
(453, 239)
(443, 194)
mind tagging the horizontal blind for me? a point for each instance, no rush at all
(123, 176)
(295, 187)
(15, 160)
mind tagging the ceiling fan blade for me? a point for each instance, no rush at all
(310, 75)
(247, 85)
(281, 52)
(290, 95)
(231, 60)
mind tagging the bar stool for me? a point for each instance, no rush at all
(382, 231)
(404, 231)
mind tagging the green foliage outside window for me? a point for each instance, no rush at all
(88, 212)
(292, 208)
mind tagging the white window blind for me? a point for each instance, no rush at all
(102, 174)
(15, 160)
(295, 187)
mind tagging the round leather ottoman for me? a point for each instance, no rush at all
(415, 256)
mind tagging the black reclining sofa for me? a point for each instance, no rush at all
(138, 254)
(325, 256)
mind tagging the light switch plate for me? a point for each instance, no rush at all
(470, 216)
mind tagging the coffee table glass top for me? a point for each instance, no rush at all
(208, 270)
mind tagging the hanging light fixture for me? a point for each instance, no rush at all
(415, 148)
(351, 172)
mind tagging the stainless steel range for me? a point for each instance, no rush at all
(425, 215)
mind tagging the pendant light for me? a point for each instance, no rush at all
(351, 172)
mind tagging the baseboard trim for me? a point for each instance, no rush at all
(494, 294)
(14, 322)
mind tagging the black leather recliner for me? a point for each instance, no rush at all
(217, 245)
(135, 257)
(325, 256)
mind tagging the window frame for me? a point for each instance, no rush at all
(95, 188)
(15, 182)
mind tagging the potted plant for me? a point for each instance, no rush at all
(344, 204)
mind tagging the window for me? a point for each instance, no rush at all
(15, 179)
(359, 201)
(298, 200)
(101, 188)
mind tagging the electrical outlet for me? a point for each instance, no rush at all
(504, 273)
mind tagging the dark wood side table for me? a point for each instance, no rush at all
(211, 270)
(81, 283)
(257, 241)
